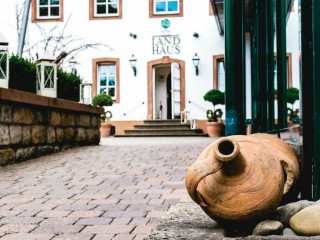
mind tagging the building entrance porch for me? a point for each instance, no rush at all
(166, 88)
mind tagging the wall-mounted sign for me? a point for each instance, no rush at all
(165, 23)
(165, 45)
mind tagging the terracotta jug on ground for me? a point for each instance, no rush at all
(241, 178)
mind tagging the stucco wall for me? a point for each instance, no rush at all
(135, 19)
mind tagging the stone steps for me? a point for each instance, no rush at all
(163, 128)
(168, 121)
(163, 135)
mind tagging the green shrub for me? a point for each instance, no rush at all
(215, 97)
(102, 99)
(22, 76)
(292, 95)
(68, 86)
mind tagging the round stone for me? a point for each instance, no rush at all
(269, 227)
(288, 232)
(285, 213)
(307, 221)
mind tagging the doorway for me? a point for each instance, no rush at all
(170, 69)
(163, 99)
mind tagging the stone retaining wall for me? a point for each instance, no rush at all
(32, 125)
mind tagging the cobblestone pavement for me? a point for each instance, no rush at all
(119, 190)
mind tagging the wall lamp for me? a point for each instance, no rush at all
(133, 35)
(196, 35)
(196, 61)
(133, 63)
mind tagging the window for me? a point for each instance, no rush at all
(105, 9)
(47, 10)
(162, 8)
(289, 71)
(166, 7)
(106, 77)
(219, 74)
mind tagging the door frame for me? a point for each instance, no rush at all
(165, 60)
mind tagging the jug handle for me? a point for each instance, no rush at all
(198, 171)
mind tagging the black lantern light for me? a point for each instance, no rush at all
(133, 63)
(196, 62)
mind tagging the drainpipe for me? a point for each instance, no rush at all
(24, 25)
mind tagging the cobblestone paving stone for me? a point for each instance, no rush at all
(118, 190)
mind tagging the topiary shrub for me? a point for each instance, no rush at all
(215, 97)
(292, 97)
(101, 100)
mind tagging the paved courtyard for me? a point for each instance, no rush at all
(118, 190)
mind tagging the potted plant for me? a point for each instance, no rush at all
(102, 100)
(292, 97)
(214, 117)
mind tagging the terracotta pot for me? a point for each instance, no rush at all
(240, 178)
(214, 129)
(105, 129)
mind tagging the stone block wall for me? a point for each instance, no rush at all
(29, 128)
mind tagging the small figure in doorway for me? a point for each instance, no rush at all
(160, 111)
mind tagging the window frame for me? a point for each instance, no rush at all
(165, 12)
(37, 18)
(107, 75)
(94, 16)
(96, 63)
(218, 58)
(153, 14)
(106, 14)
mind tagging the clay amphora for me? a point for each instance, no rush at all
(241, 179)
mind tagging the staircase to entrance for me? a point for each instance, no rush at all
(163, 128)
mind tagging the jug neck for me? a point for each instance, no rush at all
(227, 151)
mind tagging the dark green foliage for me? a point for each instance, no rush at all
(102, 99)
(214, 115)
(292, 95)
(22, 74)
(68, 85)
(215, 97)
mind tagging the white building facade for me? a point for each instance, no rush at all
(162, 35)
